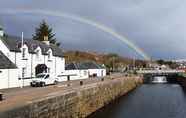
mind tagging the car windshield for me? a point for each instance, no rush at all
(40, 76)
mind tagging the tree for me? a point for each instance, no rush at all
(161, 61)
(44, 30)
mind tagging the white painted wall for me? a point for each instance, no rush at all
(30, 61)
(56, 65)
(98, 72)
(9, 78)
(76, 74)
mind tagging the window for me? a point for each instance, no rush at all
(47, 77)
(24, 52)
(85, 73)
(23, 72)
(37, 54)
(48, 70)
(40, 75)
(49, 55)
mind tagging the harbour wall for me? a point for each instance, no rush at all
(76, 103)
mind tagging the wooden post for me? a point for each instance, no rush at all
(81, 83)
(1, 96)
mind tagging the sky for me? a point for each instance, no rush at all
(158, 27)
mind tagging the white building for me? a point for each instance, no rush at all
(75, 71)
(94, 69)
(8, 70)
(30, 57)
(84, 70)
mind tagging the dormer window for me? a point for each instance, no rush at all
(38, 54)
(49, 55)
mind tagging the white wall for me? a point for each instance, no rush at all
(76, 74)
(9, 78)
(98, 72)
(56, 65)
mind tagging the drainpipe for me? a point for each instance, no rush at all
(8, 78)
(55, 65)
(31, 64)
(15, 58)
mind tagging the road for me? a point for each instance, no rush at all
(17, 97)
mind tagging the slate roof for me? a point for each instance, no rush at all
(13, 43)
(83, 65)
(5, 63)
(91, 65)
(74, 66)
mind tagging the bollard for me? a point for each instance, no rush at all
(1, 96)
(81, 83)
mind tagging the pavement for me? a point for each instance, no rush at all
(16, 97)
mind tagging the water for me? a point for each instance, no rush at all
(160, 79)
(148, 101)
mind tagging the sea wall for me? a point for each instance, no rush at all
(182, 82)
(77, 103)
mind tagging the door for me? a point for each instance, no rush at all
(40, 68)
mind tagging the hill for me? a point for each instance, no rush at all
(111, 61)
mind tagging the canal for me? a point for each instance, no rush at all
(148, 101)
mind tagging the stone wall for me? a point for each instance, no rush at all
(77, 103)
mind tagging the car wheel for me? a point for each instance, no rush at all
(42, 84)
(55, 82)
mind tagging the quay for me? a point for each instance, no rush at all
(66, 101)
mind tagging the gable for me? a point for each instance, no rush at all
(5, 63)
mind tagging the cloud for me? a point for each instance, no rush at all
(156, 26)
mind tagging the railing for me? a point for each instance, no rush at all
(159, 71)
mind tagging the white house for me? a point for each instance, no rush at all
(84, 70)
(8, 70)
(94, 69)
(75, 71)
(30, 57)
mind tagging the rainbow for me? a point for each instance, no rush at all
(81, 20)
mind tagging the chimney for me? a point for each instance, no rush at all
(46, 41)
(1, 31)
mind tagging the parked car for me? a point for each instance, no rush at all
(43, 79)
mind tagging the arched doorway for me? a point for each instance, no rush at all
(40, 68)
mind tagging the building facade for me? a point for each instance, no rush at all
(84, 70)
(31, 57)
(94, 69)
(74, 71)
(8, 70)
